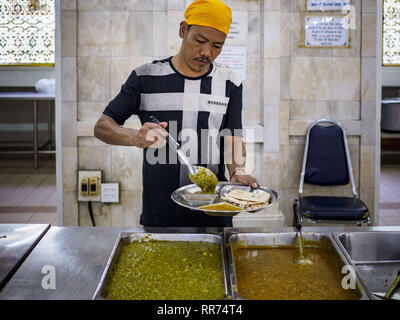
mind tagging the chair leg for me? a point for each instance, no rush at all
(369, 221)
(297, 221)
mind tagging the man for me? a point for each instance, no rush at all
(189, 94)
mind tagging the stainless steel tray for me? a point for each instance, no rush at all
(375, 256)
(289, 238)
(127, 237)
(188, 197)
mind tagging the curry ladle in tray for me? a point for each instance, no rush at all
(203, 177)
(391, 289)
(301, 258)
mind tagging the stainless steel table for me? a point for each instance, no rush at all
(35, 97)
(16, 242)
(79, 255)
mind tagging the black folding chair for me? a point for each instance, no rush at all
(326, 162)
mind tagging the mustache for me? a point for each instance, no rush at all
(203, 59)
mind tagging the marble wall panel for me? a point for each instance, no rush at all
(367, 195)
(69, 168)
(252, 85)
(346, 78)
(94, 78)
(174, 41)
(70, 208)
(127, 212)
(101, 214)
(90, 110)
(160, 41)
(271, 170)
(68, 33)
(271, 129)
(299, 127)
(126, 167)
(69, 114)
(272, 44)
(284, 115)
(285, 67)
(68, 4)
(252, 41)
(367, 178)
(252, 5)
(368, 122)
(160, 5)
(369, 6)
(284, 166)
(272, 83)
(285, 33)
(369, 35)
(121, 68)
(94, 33)
(68, 79)
(310, 78)
(131, 33)
(272, 5)
(131, 5)
(251, 116)
(94, 5)
(368, 79)
(95, 158)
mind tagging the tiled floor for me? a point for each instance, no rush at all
(28, 195)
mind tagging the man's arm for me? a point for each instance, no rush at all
(235, 158)
(110, 132)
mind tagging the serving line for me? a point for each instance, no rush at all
(79, 256)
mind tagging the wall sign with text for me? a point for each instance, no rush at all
(327, 31)
(327, 5)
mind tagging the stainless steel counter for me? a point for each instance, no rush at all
(79, 256)
(16, 242)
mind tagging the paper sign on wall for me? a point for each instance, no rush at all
(234, 58)
(326, 5)
(326, 31)
(239, 27)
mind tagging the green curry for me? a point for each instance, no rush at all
(207, 182)
(173, 270)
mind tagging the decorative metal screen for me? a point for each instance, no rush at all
(391, 33)
(27, 32)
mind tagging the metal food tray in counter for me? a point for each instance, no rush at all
(284, 240)
(375, 256)
(126, 238)
(189, 196)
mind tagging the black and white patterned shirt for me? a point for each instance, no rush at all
(198, 111)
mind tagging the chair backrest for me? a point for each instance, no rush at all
(326, 156)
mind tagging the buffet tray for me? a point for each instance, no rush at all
(127, 238)
(282, 239)
(375, 257)
(189, 197)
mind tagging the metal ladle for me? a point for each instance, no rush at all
(301, 258)
(391, 289)
(193, 170)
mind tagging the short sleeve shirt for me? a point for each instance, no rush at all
(199, 111)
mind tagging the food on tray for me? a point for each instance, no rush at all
(247, 200)
(205, 179)
(222, 206)
(173, 270)
(268, 273)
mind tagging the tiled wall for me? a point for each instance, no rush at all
(103, 40)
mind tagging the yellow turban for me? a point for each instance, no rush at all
(209, 13)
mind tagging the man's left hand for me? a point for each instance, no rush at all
(245, 179)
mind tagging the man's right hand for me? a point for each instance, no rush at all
(151, 135)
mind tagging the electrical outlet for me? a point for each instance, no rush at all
(110, 192)
(89, 185)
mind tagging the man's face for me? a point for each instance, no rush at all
(200, 46)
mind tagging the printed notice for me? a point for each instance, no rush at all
(327, 5)
(326, 31)
(239, 27)
(234, 58)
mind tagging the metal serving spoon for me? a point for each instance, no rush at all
(194, 171)
(301, 258)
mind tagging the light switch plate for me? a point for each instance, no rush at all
(110, 192)
(86, 175)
